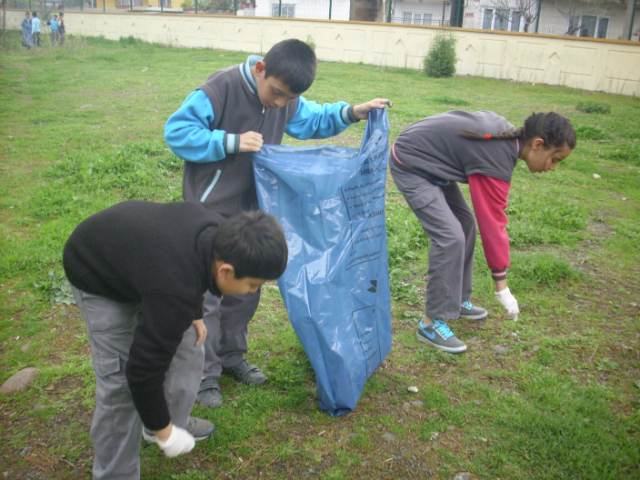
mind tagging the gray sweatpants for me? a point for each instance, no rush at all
(226, 323)
(116, 431)
(448, 221)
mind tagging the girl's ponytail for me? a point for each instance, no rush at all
(555, 129)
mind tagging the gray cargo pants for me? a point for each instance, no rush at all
(448, 221)
(226, 323)
(116, 431)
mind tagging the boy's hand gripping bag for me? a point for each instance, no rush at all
(330, 202)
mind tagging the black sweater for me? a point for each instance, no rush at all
(161, 256)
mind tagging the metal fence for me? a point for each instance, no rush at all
(534, 16)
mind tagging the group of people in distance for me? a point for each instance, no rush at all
(31, 30)
(167, 290)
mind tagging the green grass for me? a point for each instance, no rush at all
(554, 395)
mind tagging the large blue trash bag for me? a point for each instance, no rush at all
(330, 202)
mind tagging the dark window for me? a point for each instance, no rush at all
(603, 25)
(588, 26)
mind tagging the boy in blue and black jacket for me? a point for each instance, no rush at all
(215, 131)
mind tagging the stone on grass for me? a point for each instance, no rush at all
(406, 405)
(19, 381)
(389, 437)
(499, 349)
(417, 403)
(25, 347)
(413, 389)
(462, 476)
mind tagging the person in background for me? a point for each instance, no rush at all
(27, 39)
(35, 29)
(61, 28)
(53, 26)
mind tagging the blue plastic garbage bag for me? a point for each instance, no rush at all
(330, 202)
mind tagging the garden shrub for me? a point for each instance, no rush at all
(440, 61)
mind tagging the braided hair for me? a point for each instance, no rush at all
(553, 128)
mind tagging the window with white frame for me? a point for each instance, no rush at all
(287, 10)
(487, 22)
(515, 21)
(128, 3)
(406, 17)
(502, 19)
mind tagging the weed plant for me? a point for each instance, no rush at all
(553, 395)
(594, 107)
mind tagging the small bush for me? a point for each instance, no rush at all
(440, 62)
(311, 42)
(594, 107)
(591, 133)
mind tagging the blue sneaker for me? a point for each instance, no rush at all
(472, 312)
(439, 335)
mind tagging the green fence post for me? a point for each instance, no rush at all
(104, 7)
(82, 5)
(330, 5)
(196, 7)
(538, 17)
(162, 5)
(131, 5)
(235, 7)
(633, 14)
(389, 14)
(279, 8)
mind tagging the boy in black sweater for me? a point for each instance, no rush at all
(138, 272)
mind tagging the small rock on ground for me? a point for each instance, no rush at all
(19, 381)
(462, 476)
(389, 437)
(499, 349)
(25, 347)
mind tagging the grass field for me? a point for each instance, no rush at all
(555, 395)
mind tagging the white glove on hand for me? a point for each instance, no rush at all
(179, 442)
(509, 302)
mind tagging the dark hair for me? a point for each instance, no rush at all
(254, 243)
(293, 62)
(35, 14)
(553, 128)
(62, 14)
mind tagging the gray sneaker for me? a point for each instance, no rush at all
(439, 335)
(209, 393)
(472, 312)
(199, 428)
(246, 373)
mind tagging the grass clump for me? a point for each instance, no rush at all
(540, 268)
(441, 60)
(594, 107)
(448, 100)
(591, 133)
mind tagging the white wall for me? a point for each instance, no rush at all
(590, 64)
